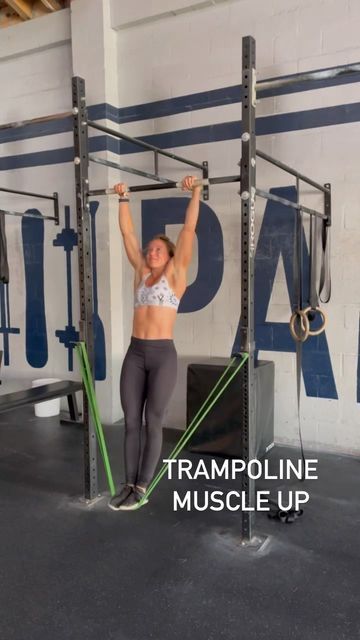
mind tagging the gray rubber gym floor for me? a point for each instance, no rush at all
(70, 571)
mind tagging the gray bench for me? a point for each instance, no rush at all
(17, 399)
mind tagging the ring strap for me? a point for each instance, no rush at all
(304, 324)
(316, 332)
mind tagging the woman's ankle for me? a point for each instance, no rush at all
(141, 487)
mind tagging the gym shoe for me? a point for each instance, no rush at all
(133, 501)
(116, 501)
(140, 495)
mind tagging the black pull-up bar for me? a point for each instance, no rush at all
(168, 185)
(29, 215)
(121, 167)
(23, 123)
(141, 143)
(289, 203)
(29, 193)
(54, 198)
(324, 74)
(290, 170)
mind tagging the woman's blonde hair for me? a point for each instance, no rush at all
(169, 244)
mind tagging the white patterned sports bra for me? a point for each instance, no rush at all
(158, 295)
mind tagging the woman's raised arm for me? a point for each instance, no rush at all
(131, 243)
(185, 241)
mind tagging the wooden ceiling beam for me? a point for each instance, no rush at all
(22, 7)
(53, 5)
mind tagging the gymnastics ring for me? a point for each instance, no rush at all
(305, 325)
(316, 332)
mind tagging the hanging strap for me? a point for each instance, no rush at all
(313, 295)
(299, 322)
(325, 272)
(297, 261)
(313, 307)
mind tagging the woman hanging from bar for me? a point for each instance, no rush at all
(149, 369)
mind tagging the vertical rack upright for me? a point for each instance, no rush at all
(81, 160)
(247, 331)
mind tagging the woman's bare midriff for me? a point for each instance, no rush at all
(154, 323)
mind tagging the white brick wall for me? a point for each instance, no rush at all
(202, 50)
(179, 55)
(35, 75)
(48, 31)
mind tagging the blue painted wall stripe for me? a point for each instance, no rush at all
(225, 96)
(54, 156)
(172, 106)
(267, 125)
(40, 129)
(181, 104)
(37, 159)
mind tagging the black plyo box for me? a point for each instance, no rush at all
(220, 431)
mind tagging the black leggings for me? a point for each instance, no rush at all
(148, 378)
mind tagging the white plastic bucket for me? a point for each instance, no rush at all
(47, 408)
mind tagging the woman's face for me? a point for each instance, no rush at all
(157, 254)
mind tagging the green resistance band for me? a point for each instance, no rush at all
(90, 392)
(85, 371)
(199, 417)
